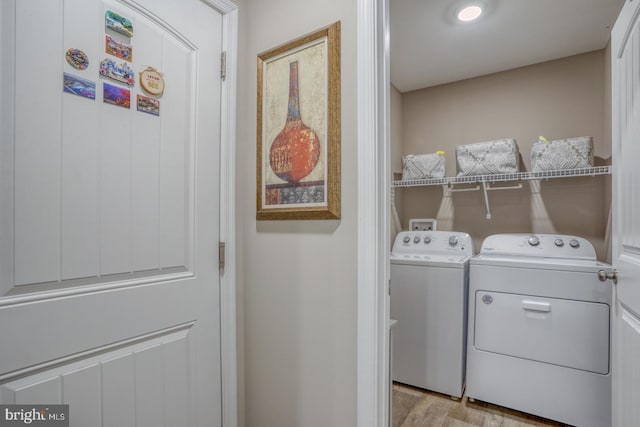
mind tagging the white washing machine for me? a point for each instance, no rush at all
(429, 283)
(539, 328)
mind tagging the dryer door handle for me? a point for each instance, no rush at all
(536, 306)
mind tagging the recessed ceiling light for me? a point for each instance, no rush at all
(469, 13)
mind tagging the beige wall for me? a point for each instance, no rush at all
(396, 151)
(297, 279)
(396, 130)
(557, 99)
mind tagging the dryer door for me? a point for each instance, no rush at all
(573, 334)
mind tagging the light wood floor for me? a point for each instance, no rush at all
(414, 407)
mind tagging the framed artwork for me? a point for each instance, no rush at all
(298, 132)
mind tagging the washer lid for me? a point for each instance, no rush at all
(430, 260)
(539, 245)
(539, 263)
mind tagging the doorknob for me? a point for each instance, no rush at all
(603, 276)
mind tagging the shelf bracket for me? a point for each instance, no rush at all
(512, 187)
(486, 197)
(487, 187)
(460, 190)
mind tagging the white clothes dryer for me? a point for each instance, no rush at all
(539, 328)
(429, 289)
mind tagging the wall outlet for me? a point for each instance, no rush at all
(425, 224)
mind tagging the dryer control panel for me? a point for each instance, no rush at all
(433, 243)
(539, 245)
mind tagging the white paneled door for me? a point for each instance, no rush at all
(625, 77)
(109, 209)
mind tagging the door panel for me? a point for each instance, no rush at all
(118, 391)
(626, 138)
(626, 409)
(108, 302)
(143, 384)
(625, 90)
(115, 181)
(81, 388)
(37, 147)
(78, 198)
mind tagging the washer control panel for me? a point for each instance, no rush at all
(539, 245)
(425, 242)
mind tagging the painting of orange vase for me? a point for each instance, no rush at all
(297, 136)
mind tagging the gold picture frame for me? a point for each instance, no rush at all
(298, 128)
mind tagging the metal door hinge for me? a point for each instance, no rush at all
(223, 65)
(221, 255)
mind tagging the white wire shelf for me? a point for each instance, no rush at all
(505, 177)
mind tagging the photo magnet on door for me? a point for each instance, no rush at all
(148, 105)
(116, 95)
(79, 86)
(116, 48)
(118, 72)
(77, 58)
(118, 23)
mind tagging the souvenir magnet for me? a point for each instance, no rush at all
(151, 81)
(116, 95)
(118, 23)
(121, 73)
(77, 58)
(148, 105)
(78, 86)
(116, 48)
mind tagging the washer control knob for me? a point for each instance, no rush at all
(534, 241)
(427, 240)
(416, 239)
(574, 243)
(559, 243)
(453, 240)
(406, 239)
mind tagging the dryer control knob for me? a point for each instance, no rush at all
(427, 240)
(534, 241)
(574, 243)
(453, 240)
(559, 243)
(406, 239)
(416, 239)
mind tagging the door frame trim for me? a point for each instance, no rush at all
(228, 327)
(374, 179)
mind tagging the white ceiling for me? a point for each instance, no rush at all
(428, 46)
